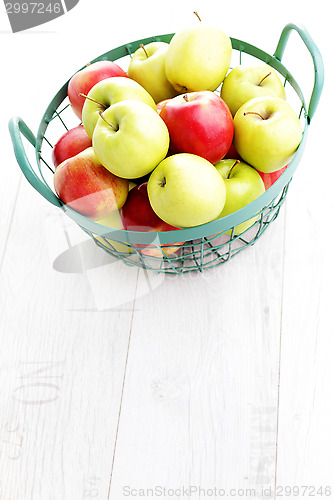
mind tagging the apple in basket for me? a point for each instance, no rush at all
(243, 185)
(147, 67)
(186, 190)
(199, 123)
(198, 58)
(72, 142)
(83, 184)
(160, 105)
(82, 81)
(108, 92)
(137, 215)
(267, 133)
(269, 179)
(130, 139)
(246, 82)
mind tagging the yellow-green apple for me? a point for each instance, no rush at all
(131, 185)
(72, 142)
(137, 215)
(246, 82)
(243, 185)
(83, 184)
(130, 139)
(147, 67)
(108, 92)
(186, 190)
(269, 179)
(267, 133)
(82, 81)
(199, 123)
(198, 58)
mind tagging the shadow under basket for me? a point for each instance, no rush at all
(191, 249)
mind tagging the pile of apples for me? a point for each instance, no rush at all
(178, 140)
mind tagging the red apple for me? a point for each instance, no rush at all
(137, 215)
(232, 154)
(70, 144)
(89, 188)
(199, 123)
(86, 78)
(161, 104)
(269, 179)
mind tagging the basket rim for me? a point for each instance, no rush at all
(190, 233)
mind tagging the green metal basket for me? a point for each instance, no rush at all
(201, 247)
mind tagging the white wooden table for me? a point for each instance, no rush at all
(116, 383)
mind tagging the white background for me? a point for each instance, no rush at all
(221, 380)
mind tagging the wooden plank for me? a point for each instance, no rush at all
(306, 408)
(62, 359)
(201, 390)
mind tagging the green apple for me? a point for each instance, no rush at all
(267, 132)
(147, 67)
(198, 58)
(246, 82)
(131, 185)
(108, 92)
(186, 190)
(243, 185)
(130, 138)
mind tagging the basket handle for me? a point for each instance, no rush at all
(17, 127)
(316, 57)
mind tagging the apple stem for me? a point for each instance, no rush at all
(93, 100)
(144, 49)
(163, 183)
(185, 97)
(110, 124)
(236, 163)
(195, 12)
(254, 113)
(268, 74)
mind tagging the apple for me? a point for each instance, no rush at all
(131, 185)
(108, 92)
(147, 67)
(86, 78)
(232, 153)
(246, 82)
(83, 184)
(112, 221)
(269, 179)
(130, 139)
(186, 190)
(199, 123)
(198, 58)
(267, 133)
(243, 185)
(137, 215)
(160, 105)
(72, 142)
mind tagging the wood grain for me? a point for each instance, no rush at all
(62, 368)
(305, 431)
(201, 389)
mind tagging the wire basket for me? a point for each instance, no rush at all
(185, 250)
